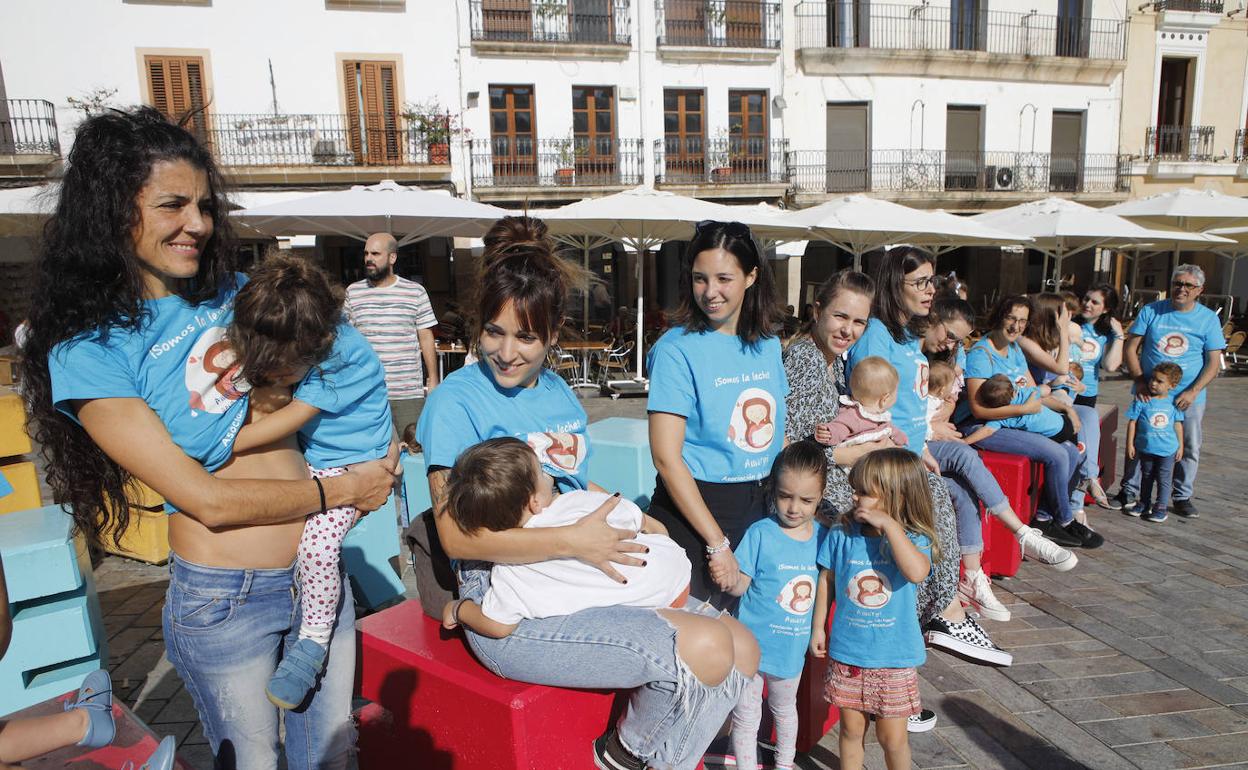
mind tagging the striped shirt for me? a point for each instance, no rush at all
(389, 317)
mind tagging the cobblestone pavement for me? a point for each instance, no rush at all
(1137, 658)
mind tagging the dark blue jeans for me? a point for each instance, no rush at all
(1158, 469)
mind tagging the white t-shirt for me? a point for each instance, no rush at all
(564, 586)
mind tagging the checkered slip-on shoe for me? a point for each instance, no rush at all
(967, 640)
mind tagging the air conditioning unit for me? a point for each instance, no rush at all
(1002, 178)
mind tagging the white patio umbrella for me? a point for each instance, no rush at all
(1062, 228)
(1232, 251)
(859, 224)
(408, 213)
(642, 219)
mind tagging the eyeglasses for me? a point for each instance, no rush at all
(735, 229)
(1186, 285)
(922, 284)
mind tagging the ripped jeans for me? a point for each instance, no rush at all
(671, 716)
(225, 630)
(782, 700)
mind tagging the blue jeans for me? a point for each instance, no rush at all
(225, 631)
(1185, 469)
(1060, 462)
(1090, 435)
(671, 716)
(1157, 469)
(969, 484)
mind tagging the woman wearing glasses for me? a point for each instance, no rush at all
(716, 407)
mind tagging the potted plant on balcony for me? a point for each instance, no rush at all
(722, 154)
(435, 125)
(566, 153)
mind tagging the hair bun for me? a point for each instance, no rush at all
(513, 231)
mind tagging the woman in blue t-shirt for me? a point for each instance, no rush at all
(716, 406)
(1102, 339)
(508, 392)
(127, 375)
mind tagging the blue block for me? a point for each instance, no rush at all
(40, 558)
(370, 553)
(620, 460)
(416, 484)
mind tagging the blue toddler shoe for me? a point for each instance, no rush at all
(161, 759)
(296, 674)
(96, 698)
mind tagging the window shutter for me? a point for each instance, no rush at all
(351, 85)
(177, 87)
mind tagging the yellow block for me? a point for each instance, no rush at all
(25, 483)
(13, 438)
(147, 537)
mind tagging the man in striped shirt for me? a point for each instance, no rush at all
(395, 316)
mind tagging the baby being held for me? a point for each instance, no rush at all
(1055, 419)
(498, 485)
(865, 417)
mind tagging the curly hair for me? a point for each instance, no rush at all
(88, 279)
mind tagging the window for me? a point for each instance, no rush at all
(372, 112)
(747, 131)
(684, 134)
(964, 130)
(512, 131)
(176, 85)
(593, 130)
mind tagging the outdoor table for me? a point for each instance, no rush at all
(445, 349)
(585, 349)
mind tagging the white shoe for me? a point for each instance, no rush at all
(1039, 548)
(976, 590)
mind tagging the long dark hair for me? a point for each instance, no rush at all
(1103, 327)
(88, 280)
(890, 305)
(760, 310)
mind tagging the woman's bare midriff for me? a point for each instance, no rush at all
(247, 547)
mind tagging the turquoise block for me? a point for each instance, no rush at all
(40, 559)
(416, 484)
(25, 691)
(370, 553)
(620, 458)
(49, 631)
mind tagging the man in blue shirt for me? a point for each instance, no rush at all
(1181, 331)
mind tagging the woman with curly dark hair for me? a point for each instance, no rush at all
(125, 379)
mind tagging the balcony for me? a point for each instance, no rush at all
(966, 174)
(929, 40)
(729, 166)
(29, 142)
(751, 26)
(1179, 143)
(554, 166)
(580, 28)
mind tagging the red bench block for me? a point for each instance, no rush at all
(1002, 555)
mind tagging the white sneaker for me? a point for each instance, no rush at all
(1039, 548)
(976, 590)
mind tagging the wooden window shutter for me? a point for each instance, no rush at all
(372, 115)
(177, 88)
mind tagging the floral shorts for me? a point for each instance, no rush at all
(886, 692)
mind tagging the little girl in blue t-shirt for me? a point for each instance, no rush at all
(776, 559)
(873, 562)
(288, 332)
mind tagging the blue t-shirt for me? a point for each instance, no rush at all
(178, 362)
(469, 407)
(780, 601)
(910, 411)
(732, 398)
(1092, 352)
(876, 624)
(349, 387)
(1046, 422)
(983, 362)
(1180, 338)
(1154, 424)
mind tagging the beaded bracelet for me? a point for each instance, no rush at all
(724, 545)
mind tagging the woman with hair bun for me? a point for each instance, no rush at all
(685, 669)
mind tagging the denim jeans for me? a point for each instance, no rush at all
(225, 631)
(671, 716)
(1158, 469)
(1060, 467)
(1185, 469)
(1090, 435)
(969, 484)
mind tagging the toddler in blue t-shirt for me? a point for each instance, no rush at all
(776, 583)
(871, 566)
(1155, 441)
(288, 332)
(1056, 418)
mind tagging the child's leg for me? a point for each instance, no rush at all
(746, 718)
(782, 700)
(1148, 475)
(895, 741)
(320, 550)
(22, 739)
(1163, 471)
(853, 737)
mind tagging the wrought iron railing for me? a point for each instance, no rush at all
(851, 171)
(1194, 6)
(1241, 145)
(551, 21)
(507, 161)
(851, 24)
(732, 160)
(327, 140)
(719, 23)
(28, 127)
(1178, 143)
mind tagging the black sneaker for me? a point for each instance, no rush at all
(1055, 532)
(1086, 537)
(921, 722)
(965, 639)
(610, 754)
(1122, 501)
(1186, 509)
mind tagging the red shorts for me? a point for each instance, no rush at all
(886, 692)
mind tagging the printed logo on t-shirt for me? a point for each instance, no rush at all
(563, 451)
(920, 378)
(798, 595)
(1021, 382)
(869, 589)
(212, 374)
(1159, 420)
(752, 426)
(1173, 344)
(1091, 348)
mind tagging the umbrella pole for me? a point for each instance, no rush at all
(641, 266)
(585, 308)
(1044, 271)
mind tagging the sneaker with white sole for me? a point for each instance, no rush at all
(610, 754)
(921, 722)
(967, 640)
(975, 589)
(1039, 548)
